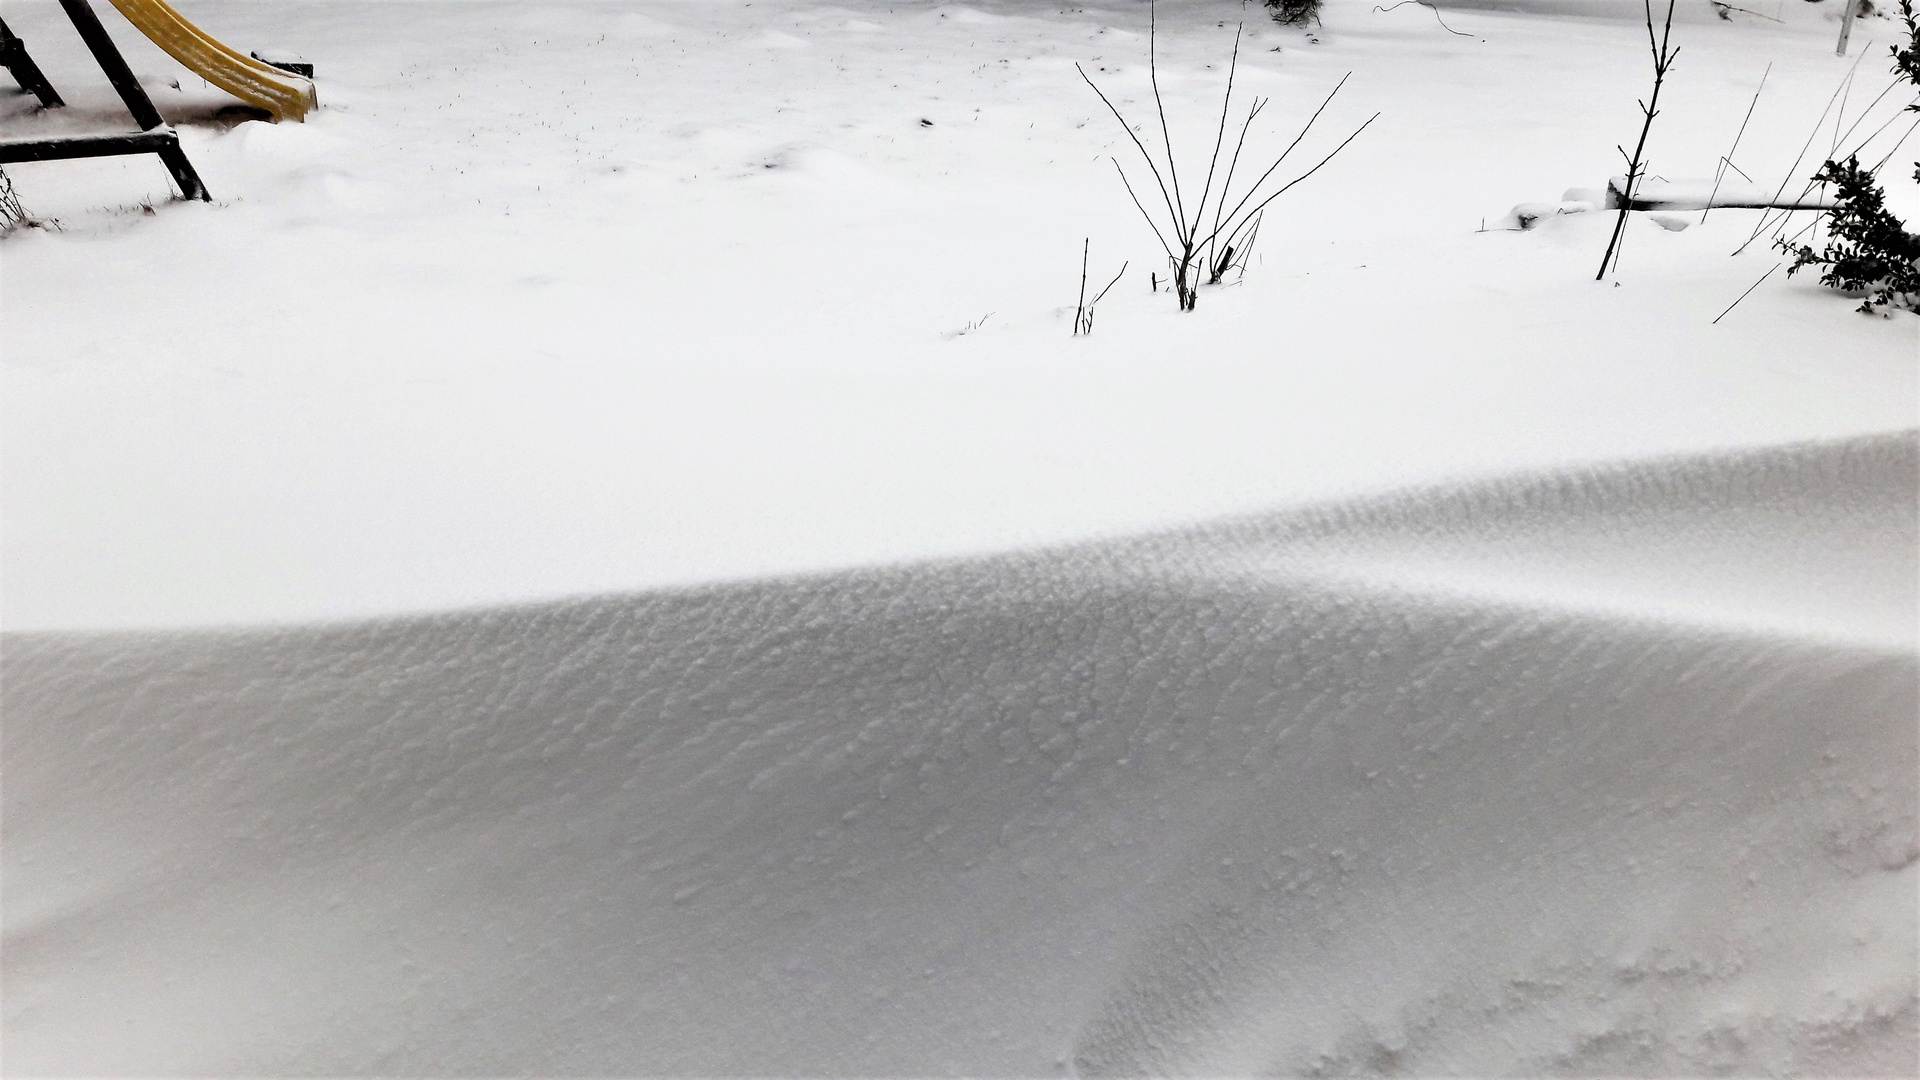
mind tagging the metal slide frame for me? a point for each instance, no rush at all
(277, 91)
(13, 57)
(154, 136)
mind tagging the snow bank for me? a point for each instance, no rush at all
(1603, 770)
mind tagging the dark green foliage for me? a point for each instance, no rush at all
(1867, 249)
(1296, 12)
(1906, 58)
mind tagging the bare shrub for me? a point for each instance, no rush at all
(1214, 233)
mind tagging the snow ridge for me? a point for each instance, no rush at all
(1609, 770)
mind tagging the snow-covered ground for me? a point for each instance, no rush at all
(598, 554)
(569, 298)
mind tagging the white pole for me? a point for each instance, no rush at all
(1846, 25)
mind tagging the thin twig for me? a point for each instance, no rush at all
(1143, 210)
(1620, 239)
(1080, 308)
(1779, 221)
(1136, 142)
(1842, 114)
(1804, 229)
(1743, 296)
(1160, 105)
(1220, 134)
(1797, 158)
(1429, 7)
(1247, 252)
(1723, 7)
(1083, 314)
(1719, 173)
(1233, 166)
(1103, 292)
(1896, 148)
(1261, 205)
(1296, 142)
(1891, 86)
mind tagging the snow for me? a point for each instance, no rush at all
(604, 297)
(1223, 801)
(598, 554)
(1703, 193)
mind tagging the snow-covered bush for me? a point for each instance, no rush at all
(1294, 12)
(1906, 56)
(1868, 250)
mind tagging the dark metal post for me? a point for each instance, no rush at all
(13, 57)
(131, 92)
(108, 56)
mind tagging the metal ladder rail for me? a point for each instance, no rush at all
(154, 136)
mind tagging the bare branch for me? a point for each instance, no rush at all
(1166, 137)
(1797, 158)
(1262, 204)
(1233, 166)
(1116, 280)
(1128, 128)
(1743, 296)
(1151, 224)
(1296, 142)
(1080, 307)
(1719, 174)
(1220, 133)
(1662, 59)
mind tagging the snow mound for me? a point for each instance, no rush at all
(1608, 770)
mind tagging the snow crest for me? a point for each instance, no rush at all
(1598, 771)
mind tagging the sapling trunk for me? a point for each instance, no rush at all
(1663, 56)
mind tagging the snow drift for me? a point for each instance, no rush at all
(1605, 770)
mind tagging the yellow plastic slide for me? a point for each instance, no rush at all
(286, 95)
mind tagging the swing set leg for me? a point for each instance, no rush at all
(13, 57)
(154, 136)
(121, 76)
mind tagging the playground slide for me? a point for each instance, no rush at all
(285, 95)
